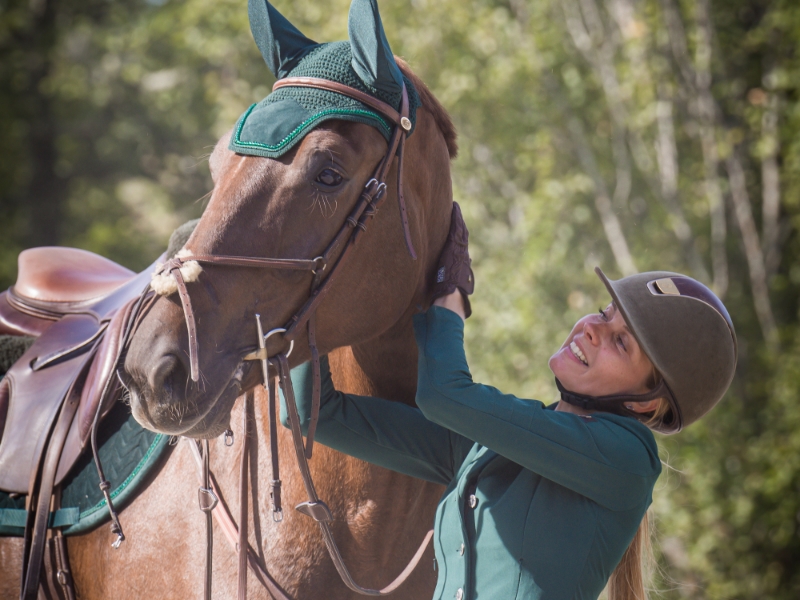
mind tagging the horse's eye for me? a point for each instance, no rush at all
(329, 178)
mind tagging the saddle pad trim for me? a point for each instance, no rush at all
(15, 518)
(127, 490)
(12, 520)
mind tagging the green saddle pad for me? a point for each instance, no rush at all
(130, 455)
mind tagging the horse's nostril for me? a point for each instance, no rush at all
(163, 376)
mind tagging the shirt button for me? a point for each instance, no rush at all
(461, 550)
(473, 501)
(459, 594)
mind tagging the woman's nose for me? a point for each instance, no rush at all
(591, 333)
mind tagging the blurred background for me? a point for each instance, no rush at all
(630, 134)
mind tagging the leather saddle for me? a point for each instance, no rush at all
(77, 305)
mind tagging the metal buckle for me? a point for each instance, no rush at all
(381, 191)
(261, 353)
(319, 259)
(207, 499)
(318, 510)
(228, 438)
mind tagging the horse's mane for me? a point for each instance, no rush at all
(433, 106)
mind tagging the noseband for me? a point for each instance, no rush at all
(356, 223)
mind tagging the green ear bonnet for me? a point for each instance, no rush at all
(273, 126)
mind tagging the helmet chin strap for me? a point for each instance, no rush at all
(613, 403)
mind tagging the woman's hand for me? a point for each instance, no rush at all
(454, 278)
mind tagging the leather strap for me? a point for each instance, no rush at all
(42, 496)
(275, 483)
(351, 230)
(207, 501)
(63, 572)
(353, 226)
(244, 478)
(318, 510)
(345, 90)
(231, 531)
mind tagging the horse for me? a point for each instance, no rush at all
(270, 207)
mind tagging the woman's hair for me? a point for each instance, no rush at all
(655, 417)
(629, 579)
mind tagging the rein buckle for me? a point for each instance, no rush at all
(207, 499)
(318, 510)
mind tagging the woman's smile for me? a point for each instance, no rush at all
(601, 357)
(578, 353)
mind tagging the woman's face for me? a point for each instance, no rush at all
(601, 357)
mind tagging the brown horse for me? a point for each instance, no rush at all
(269, 207)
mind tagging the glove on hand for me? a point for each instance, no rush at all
(454, 272)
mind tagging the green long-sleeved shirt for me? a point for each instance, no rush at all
(539, 504)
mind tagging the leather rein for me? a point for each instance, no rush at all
(356, 223)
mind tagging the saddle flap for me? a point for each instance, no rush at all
(36, 397)
(102, 374)
(4, 393)
(66, 276)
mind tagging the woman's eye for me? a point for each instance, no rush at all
(621, 343)
(603, 315)
(329, 178)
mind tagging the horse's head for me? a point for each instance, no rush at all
(285, 180)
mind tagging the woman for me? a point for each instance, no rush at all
(542, 501)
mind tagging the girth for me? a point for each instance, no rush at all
(326, 265)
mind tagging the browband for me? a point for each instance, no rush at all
(345, 90)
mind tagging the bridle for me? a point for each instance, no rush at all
(354, 226)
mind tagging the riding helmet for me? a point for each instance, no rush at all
(686, 332)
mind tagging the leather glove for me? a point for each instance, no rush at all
(454, 271)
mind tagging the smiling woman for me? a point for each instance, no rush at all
(544, 502)
(601, 356)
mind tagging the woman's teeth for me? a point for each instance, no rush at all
(577, 352)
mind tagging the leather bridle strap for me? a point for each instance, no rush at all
(231, 531)
(318, 510)
(351, 230)
(244, 478)
(353, 226)
(207, 500)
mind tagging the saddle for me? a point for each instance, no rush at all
(77, 305)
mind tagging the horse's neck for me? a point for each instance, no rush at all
(385, 366)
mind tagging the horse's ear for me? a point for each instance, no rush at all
(373, 60)
(281, 43)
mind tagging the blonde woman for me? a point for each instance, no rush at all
(543, 502)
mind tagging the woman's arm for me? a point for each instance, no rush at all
(388, 434)
(612, 460)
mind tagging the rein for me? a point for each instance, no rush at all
(355, 224)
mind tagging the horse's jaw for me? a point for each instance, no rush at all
(163, 398)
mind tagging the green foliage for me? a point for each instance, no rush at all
(573, 115)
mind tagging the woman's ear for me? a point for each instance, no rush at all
(644, 407)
